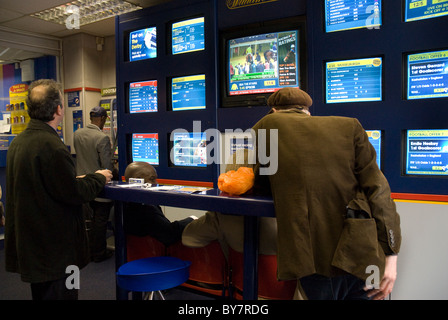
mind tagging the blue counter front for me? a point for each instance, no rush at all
(251, 207)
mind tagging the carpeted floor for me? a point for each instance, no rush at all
(97, 282)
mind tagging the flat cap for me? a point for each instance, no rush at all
(290, 98)
(98, 112)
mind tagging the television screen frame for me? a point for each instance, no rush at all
(365, 100)
(128, 91)
(170, 42)
(131, 144)
(430, 144)
(172, 150)
(129, 42)
(406, 76)
(171, 97)
(273, 26)
(420, 17)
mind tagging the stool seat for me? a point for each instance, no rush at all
(153, 274)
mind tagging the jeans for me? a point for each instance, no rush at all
(345, 287)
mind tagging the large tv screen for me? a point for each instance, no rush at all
(424, 9)
(188, 36)
(143, 44)
(357, 80)
(145, 147)
(343, 15)
(189, 149)
(426, 152)
(143, 96)
(263, 63)
(260, 58)
(188, 93)
(427, 75)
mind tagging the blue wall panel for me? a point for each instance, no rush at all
(393, 114)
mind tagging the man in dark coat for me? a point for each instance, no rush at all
(45, 231)
(324, 166)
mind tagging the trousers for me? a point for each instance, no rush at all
(98, 239)
(344, 287)
(53, 290)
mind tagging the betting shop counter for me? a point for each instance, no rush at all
(251, 207)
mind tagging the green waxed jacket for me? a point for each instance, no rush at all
(324, 165)
(45, 230)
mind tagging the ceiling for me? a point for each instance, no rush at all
(16, 22)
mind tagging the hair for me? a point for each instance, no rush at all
(44, 97)
(143, 170)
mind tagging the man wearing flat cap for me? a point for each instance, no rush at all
(335, 216)
(94, 152)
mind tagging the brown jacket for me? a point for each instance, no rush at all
(325, 164)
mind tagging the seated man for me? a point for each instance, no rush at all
(229, 229)
(148, 220)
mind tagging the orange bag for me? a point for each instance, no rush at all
(236, 182)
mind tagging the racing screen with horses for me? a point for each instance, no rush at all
(259, 61)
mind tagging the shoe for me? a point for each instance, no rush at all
(109, 253)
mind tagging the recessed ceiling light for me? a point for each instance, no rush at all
(82, 12)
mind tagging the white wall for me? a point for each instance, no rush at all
(423, 258)
(84, 66)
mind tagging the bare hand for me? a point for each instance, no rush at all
(107, 173)
(388, 281)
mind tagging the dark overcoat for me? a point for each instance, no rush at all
(324, 165)
(45, 230)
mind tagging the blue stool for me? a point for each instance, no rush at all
(153, 274)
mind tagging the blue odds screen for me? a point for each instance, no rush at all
(145, 147)
(424, 9)
(188, 36)
(352, 14)
(427, 152)
(427, 75)
(188, 93)
(357, 80)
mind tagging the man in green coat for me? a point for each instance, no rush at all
(45, 235)
(337, 224)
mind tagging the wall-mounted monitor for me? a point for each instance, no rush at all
(188, 92)
(263, 63)
(375, 138)
(189, 149)
(188, 36)
(258, 60)
(427, 75)
(426, 152)
(357, 80)
(143, 44)
(424, 9)
(143, 96)
(343, 15)
(145, 147)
